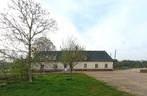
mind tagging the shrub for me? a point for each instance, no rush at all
(18, 69)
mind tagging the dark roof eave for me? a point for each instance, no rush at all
(82, 61)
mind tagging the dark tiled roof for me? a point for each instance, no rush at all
(90, 55)
(98, 56)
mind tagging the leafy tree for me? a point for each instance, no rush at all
(43, 45)
(25, 21)
(71, 53)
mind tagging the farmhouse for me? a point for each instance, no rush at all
(93, 61)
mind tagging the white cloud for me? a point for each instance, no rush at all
(3, 4)
(59, 11)
(123, 27)
(65, 29)
(106, 35)
(116, 30)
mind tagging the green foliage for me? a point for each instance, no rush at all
(127, 64)
(14, 71)
(4, 68)
(59, 85)
(18, 69)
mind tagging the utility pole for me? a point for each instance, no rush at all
(115, 54)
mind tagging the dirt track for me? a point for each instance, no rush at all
(131, 81)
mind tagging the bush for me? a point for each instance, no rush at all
(4, 68)
(18, 69)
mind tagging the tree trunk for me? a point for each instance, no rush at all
(71, 69)
(42, 68)
(29, 65)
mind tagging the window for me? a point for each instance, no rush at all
(106, 65)
(96, 65)
(85, 65)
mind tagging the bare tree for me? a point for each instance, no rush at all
(71, 53)
(23, 22)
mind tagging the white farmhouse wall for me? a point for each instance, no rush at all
(80, 65)
(91, 65)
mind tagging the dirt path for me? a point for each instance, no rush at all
(127, 80)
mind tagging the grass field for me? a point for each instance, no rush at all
(60, 85)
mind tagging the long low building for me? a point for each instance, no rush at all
(94, 61)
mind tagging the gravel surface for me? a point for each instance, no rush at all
(131, 81)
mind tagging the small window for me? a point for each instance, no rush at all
(85, 65)
(106, 65)
(96, 65)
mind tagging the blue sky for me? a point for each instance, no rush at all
(102, 25)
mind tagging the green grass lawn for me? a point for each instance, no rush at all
(60, 85)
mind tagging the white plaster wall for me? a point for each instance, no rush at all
(80, 65)
(91, 65)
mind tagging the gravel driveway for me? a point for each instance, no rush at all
(127, 80)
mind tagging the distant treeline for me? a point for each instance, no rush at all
(127, 64)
